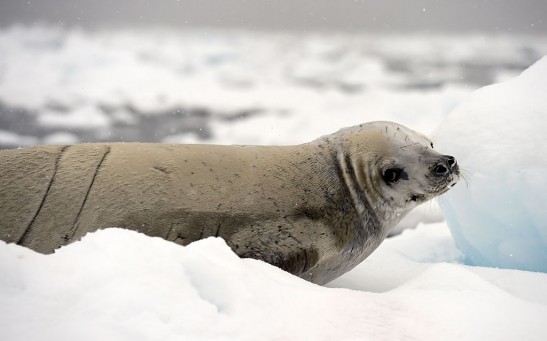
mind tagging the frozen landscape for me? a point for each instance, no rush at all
(500, 218)
(120, 285)
(70, 86)
(238, 87)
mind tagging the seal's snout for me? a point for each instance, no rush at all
(446, 166)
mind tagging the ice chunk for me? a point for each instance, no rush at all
(498, 217)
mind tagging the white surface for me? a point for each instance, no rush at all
(301, 86)
(498, 135)
(120, 285)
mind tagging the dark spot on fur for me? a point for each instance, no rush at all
(162, 169)
(308, 212)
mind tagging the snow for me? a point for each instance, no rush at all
(499, 218)
(121, 285)
(11, 139)
(84, 117)
(304, 85)
(66, 86)
(61, 138)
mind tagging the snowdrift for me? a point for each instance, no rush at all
(120, 285)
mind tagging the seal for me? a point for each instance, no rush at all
(315, 210)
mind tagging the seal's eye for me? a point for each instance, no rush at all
(431, 144)
(392, 175)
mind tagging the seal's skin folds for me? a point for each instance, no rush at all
(315, 210)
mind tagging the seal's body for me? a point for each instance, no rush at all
(315, 210)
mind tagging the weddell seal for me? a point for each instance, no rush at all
(315, 210)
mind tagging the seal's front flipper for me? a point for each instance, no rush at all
(297, 263)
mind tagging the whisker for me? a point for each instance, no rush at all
(466, 176)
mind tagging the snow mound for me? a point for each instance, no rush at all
(121, 285)
(499, 217)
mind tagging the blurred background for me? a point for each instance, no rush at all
(249, 72)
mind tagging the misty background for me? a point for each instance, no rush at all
(249, 72)
(500, 16)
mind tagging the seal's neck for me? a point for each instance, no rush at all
(355, 181)
(376, 214)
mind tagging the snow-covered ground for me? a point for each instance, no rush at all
(59, 86)
(121, 285)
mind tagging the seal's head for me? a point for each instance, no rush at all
(392, 168)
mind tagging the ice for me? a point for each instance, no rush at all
(121, 285)
(498, 217)
(85, 117)
(260, 88)
(9, 138)
(239, 84)
(61, 138)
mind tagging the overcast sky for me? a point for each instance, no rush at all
(521, 16)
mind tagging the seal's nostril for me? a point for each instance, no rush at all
(450, 160)
(440, 170)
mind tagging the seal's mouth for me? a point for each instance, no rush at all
(418, 198)
(438, 189)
